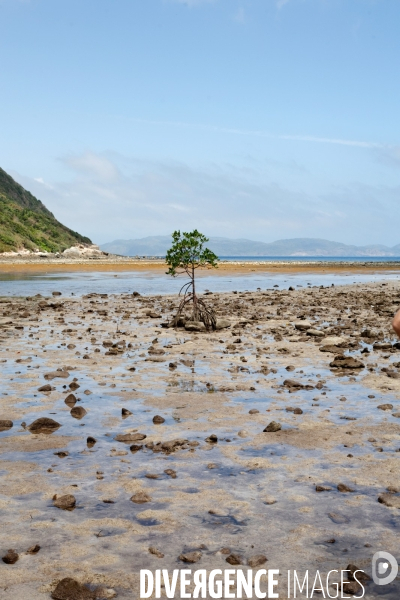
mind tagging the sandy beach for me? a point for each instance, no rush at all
(273, 440)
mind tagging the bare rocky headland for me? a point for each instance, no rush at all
(126, 444)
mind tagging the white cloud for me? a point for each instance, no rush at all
(140, 197)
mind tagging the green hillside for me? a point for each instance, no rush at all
(25, 222)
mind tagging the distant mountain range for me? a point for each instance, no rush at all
(158, 246)
(26, 224)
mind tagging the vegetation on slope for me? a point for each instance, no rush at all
(25, 222)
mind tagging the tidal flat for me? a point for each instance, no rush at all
(273, 441)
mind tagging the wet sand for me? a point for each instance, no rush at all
(245, 492)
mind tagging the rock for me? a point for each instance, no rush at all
(361, 575)
(135, 447)
(45, 388)
(70, 400)
(385, 406)
(56, 294)
(62, 454)
(127, 438)
(69, 589)
(171, 473)
(338, 518)
(43, 425)
(293, 384)
(125, 412)
(342, 487)
(351, 587)
(269, 500)
(243, 433)
(156, 552)
(257, 560)
(332, 349)
(390, 500)
(11, 557)
(212, 439)
(222, 324)
(195, 326)
(315, 333)
(333, 340)
(303, 325)
(296, 411)
(5, 424)
(322, 488)
(140, 498)
(396, 414)
(54, 374)
(78, 412)
(191, 557)
(234, 559)
(103, 593)
(382, 346)
(74, 386)
(253, 411)
(91, 441)
(66, 502)
(157, 420)
(33, 549)
(346, 362)
(272, 427)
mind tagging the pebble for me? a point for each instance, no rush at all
(11, 557)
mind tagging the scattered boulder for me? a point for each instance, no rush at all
(70, 400)
(91, 441)
(195, 326)
(212, 439)
(156, 552)
(11, 557)
(62, 374)
(69, 589)
(171, 473)
(157, 420)
(33, 549)
(44, 425)
(222, 324)
(191, 557)
(342, 487)
(128, 438)
(5, 424)
(78, 412)
(390, 500)
(303, 325)
(272, 427)
(140, 498)
(257, 560)
(66, 502)
(234, 559)
(346, 362)
(125, 412)
(45, 388)
(385, 406)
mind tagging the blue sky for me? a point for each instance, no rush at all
(263, 119)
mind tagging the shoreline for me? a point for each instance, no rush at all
(21, 265)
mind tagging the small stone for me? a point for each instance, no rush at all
(323, 488)
(158, 420)
(212, 439)
(346, 362)
(78, 412)
(272, 427)
(351, 587)
(342, 487)
(243, 433)
(91, 441)
(257, 560)
(135, 448)
(385, 406)
(191, 557)
(70, 400)
(140, 498)
(361, 575)
(11, 557)
(43, 425)
(171, 473)
(69, 589)
(269, 500)
(156, 552)
(390, 500)
(225, 550)
(125, 412)
(130, 437)
(66, 502)
(234, 559)
(62, 453)
(253, 411)
(33, 549)
(5, 424)
(45, 388)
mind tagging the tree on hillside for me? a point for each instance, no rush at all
(187, 254)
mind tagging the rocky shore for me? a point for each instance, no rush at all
(126, 444)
